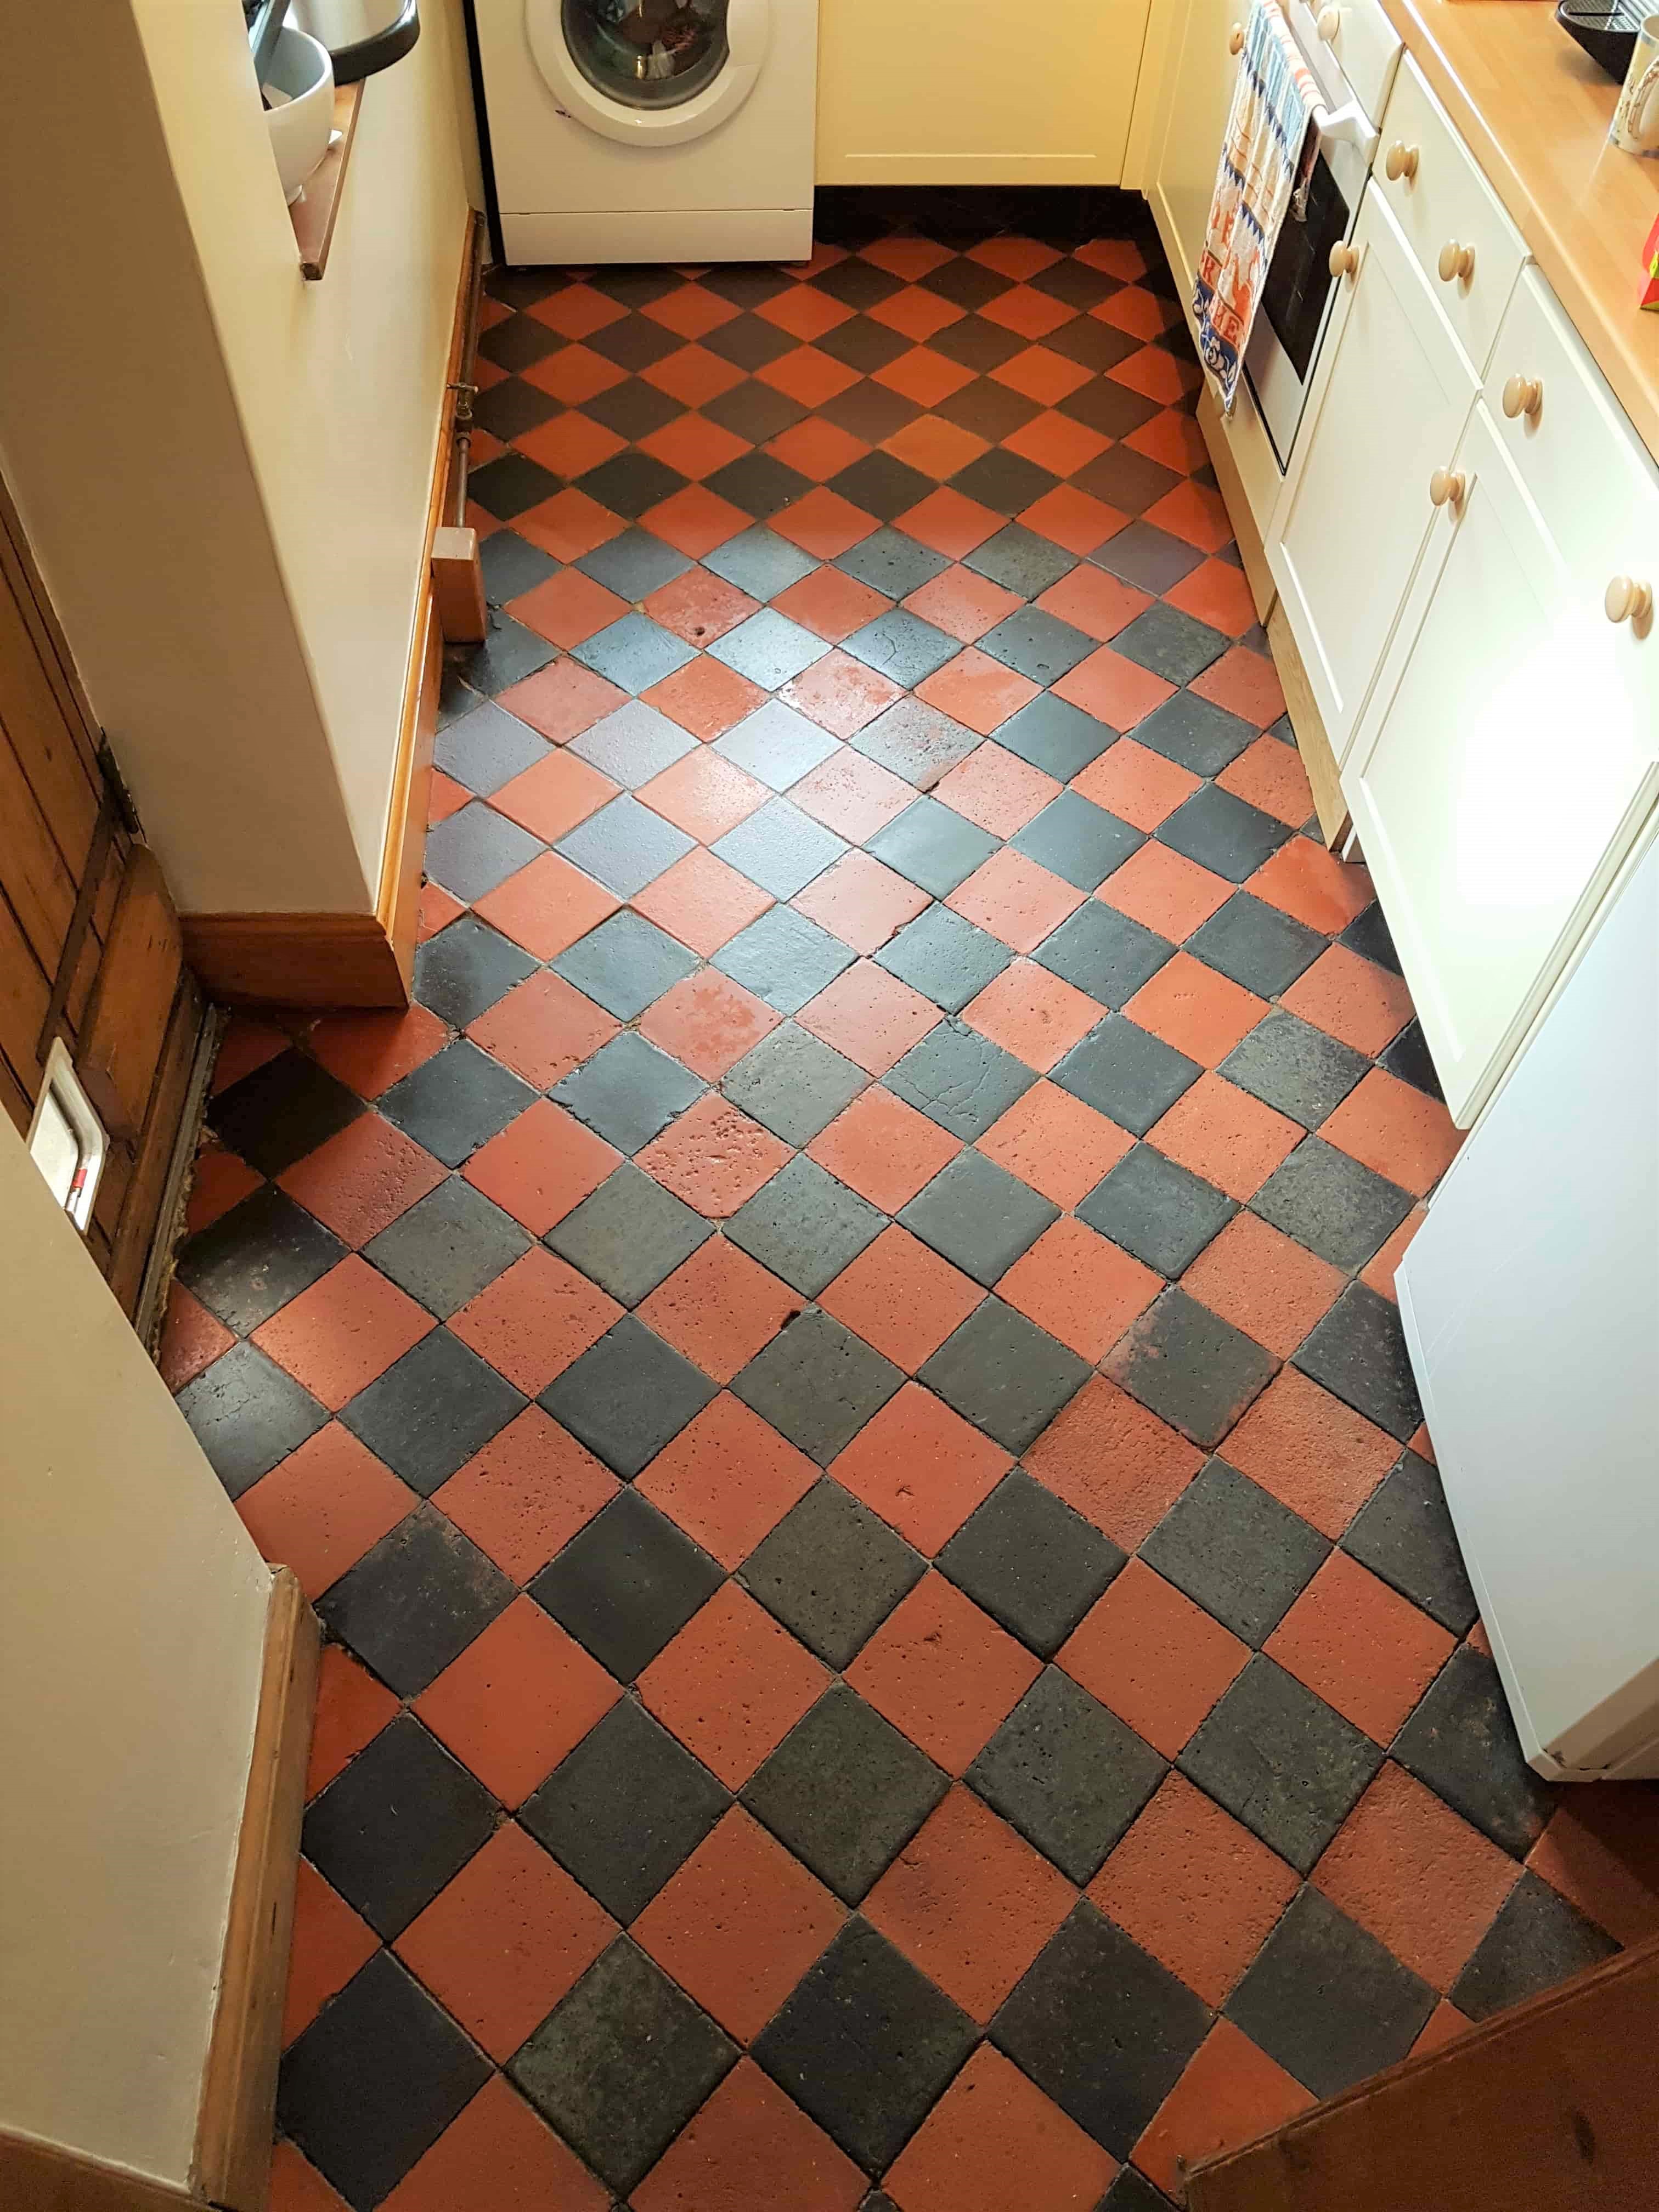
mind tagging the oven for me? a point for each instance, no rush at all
(1351, 52)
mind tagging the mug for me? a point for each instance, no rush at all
(1635, 125)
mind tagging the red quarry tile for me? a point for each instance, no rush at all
(499, 2156)
(1114, 1463)
(995, 2143)
(727, 1479)
(708, 1022)
(816, 448)
(702, 900)
(329, 1943)
(917, 314)
(567, 609)
(1226, 1136)
(804, 313)
(1137, 784)
(1055, 1142)
(564, 698)
(970, 1902)
(372, 1051)
(1040, 374)
(883, 1149)
(520, 1697)
(1114, 257)
(860, 902)
(1056, 442)
(552, 797)
(920, 1467)
(247, 1044)
(950, 523)
(1036, 1016)
(352, 1708)
(1093, 602)
(1378, 1272)
(942, 1671)
(1423, 1444)
(220, 1182)
(1446, 2025)
(719, 1307)
(534, 1319)
(1416, 1876)
(191, 1338)
(704, 794)
(1032, 314)
(910, 258)
(694, 446)
(1018, 257)
(566, 526)
(1216, 592)
(1230, 2092)
(1351, 999)
(509, 1936)
(807, 376)
(714, 1158)
(1199, 1011)
(902, 1297)
(733, 1684)
(1270, 775)
(1173, 438)
(363, 1178)
(1195, 1888)
(1164, 889)
(692, 312)
(694, 521)
(751, 2145)
(541, 1165)
(542, 1029)
(1074, 518)
(1115, 690)
(575, 374)
(839, 694)
(571, 444)
(1156, 375)
(831, 603)
(939, 448)
(1080, 1287)
(996, 789)
(1602, 1851)
(1361, 1646)
(320, 1510)
(1395, 1130)
(694, 376)
(699, 606)
(335, 1337)
(547, 906)
(705, 697)
(436, 911)
(1315, 1453)
(977, 690)
(1303, 880)
(1264, 1283)
(475, 518)
(526, 1493)
(1158, 1661)
(824, 524)
(577, 311)
(1192, 511)
(851, 795)
(1246, 683)
(869, 1016)
(923, 376)
(964, 605)
(1015, 900)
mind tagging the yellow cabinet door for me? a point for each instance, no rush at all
(1197, 92)
(977, 92)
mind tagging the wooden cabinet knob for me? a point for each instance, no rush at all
(1327, 23)
(1456, 263)
(1628, 600)
(1400, 160)
(1236, 39)
(1447, 487)
(1522, 395)
(1344, 260)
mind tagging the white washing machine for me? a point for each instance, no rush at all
(649, 130)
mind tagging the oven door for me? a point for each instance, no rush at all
(1296, 295)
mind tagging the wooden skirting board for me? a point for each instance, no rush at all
(361, 959)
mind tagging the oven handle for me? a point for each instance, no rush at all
(1351, 123)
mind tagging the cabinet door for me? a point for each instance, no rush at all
(1197, 94)
(1389, 398)
(1503, 763)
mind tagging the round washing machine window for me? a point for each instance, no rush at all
(647, 53)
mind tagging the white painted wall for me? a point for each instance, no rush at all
(132, 1611)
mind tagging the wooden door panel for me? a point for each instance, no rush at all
(126, 1023)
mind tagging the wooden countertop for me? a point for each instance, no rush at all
(1534, 109)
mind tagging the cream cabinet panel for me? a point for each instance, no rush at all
(1389, 403)
(1198, 92)
(1503, 764)
(934, 92)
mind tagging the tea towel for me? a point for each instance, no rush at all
(1268, 142)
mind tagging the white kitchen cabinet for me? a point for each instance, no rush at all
(1197, 92)
(1505, 758)
(1389, 398)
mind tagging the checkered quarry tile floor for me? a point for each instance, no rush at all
(893, 1638)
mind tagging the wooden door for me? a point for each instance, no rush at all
(1551, 2107)
(1390, 399)
(1198, 91)
(89, 942)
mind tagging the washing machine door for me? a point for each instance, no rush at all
(649, 72)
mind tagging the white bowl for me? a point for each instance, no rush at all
(299, 129)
